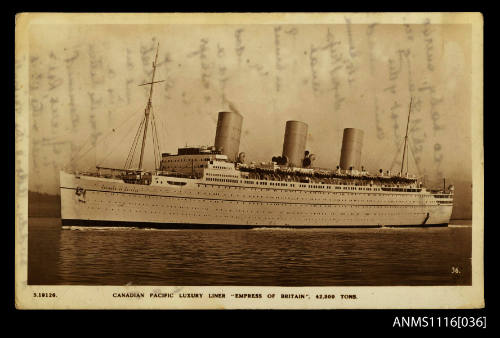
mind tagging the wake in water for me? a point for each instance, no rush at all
(312, 228)
(107, 228)
(97, 228)
(278, 228)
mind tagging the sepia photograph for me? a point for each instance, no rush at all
(256, 160)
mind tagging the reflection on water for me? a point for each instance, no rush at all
(290, 257)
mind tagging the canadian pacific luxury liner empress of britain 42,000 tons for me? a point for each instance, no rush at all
(213, 187)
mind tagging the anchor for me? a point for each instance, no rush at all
(80, 192)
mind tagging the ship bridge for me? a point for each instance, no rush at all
(193, 161)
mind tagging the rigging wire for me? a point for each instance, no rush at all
(130, 157)
(84, 144)
(158, 149)
(158, 139)
(155, 142)
(397, 155)
(156, 145)
(370, 159)
(136, 142)
(407, 157)
(77, 157)
(164, 131)
(415, 160)
(116, 146)
(74, 159)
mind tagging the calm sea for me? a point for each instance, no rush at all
(257, 257)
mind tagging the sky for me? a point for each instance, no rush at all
(86, 103)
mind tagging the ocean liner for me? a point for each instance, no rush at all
(215, 187)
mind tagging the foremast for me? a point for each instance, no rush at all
(146, 120)
(406, 141)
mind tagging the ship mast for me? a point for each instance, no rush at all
(148, 106)
(406, 139)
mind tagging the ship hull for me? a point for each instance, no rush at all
(91, 201)
(147, 225)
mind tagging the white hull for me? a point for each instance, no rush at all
(204, 204)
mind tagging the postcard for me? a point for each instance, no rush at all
(249, 161)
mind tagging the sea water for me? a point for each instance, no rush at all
(257, 257)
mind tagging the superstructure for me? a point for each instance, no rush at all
(215, 187)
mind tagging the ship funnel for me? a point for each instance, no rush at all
(227, 136)
(352, 144)
(294, 144)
